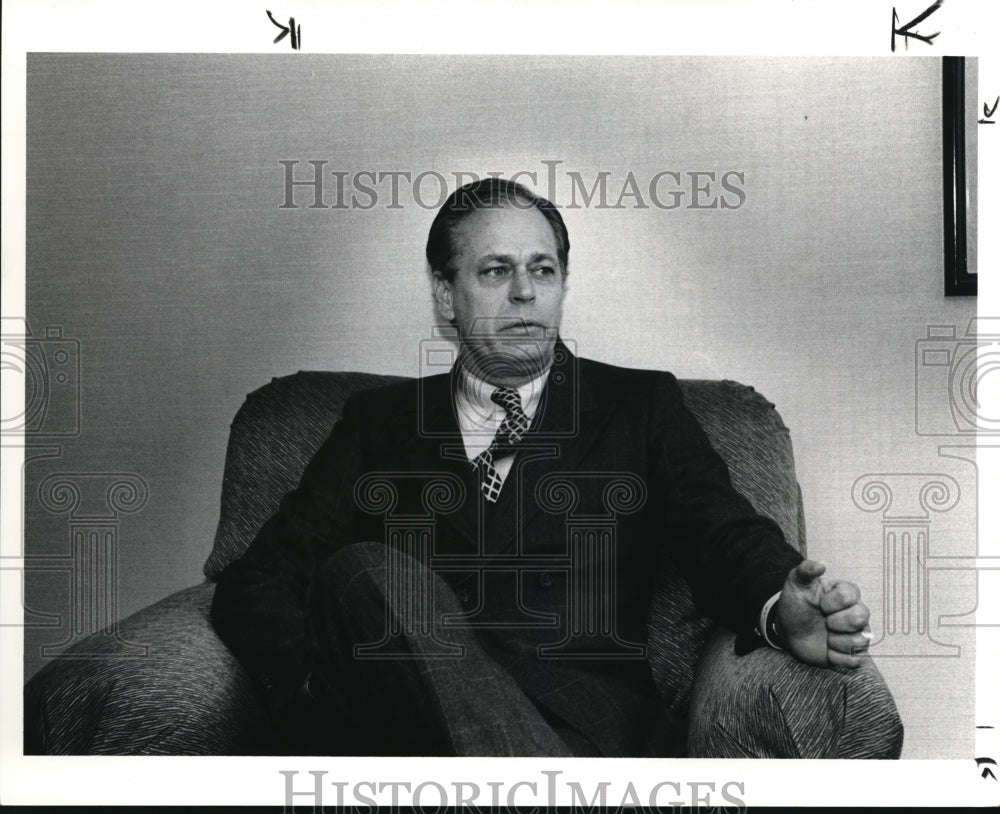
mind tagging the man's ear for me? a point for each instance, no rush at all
(443, 295)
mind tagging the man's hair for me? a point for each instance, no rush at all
(487, 193)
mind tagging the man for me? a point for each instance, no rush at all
(517, 629)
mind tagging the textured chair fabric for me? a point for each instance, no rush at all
(769, 705)
(190, 696)
(274, 435)
(187, 695)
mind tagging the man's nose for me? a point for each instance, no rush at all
(522, 287)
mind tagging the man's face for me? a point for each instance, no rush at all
(507, 294)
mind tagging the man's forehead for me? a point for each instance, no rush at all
(503, 230)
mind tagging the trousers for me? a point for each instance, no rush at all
(390, 677)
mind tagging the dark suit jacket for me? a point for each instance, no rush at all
(613, 471)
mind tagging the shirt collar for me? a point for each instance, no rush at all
(477, 411)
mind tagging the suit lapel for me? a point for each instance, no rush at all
(431, 442)
(570, 417)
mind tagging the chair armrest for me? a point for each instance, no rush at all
(180, 692)
(767, 704)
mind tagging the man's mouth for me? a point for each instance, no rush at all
(523, 325)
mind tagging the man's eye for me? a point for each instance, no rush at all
(495, 271)
(544, 271)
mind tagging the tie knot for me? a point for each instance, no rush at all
(515, 423)
(508, 398)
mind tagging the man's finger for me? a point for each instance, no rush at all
(852, 644)
(840, 596)
(806, 572)
(851, 620)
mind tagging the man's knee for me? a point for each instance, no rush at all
(367, 572)
(357, 569)
(357, 557)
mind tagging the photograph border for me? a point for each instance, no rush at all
(794, 29)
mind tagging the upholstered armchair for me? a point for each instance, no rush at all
(189, 695)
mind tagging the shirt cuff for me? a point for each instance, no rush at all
(767, 625)
(753, 639)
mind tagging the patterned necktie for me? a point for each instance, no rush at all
(509, 434)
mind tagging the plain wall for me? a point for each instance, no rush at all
(156, 238)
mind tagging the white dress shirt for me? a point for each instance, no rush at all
(479, 416)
